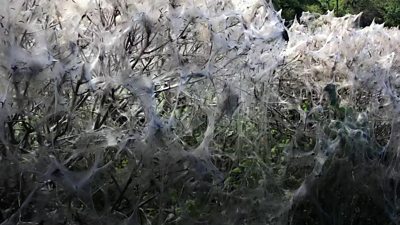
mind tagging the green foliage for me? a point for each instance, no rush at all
(392, 16)
(294, 8)
(385, 11)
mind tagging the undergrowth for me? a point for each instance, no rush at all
(195, 112)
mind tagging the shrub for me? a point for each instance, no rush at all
(172, 112)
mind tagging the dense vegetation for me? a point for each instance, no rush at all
(169, 112)
(387, 11)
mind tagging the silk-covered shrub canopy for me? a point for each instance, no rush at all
(195, 112)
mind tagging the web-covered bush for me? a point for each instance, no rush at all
(195, 112)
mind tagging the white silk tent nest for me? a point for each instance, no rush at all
(240, 44)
